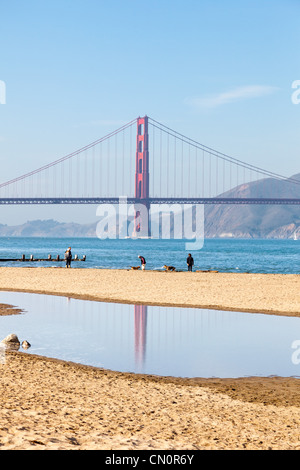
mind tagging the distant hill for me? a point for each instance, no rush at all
(256, 221)
(48, 228)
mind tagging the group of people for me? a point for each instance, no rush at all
(189, 262)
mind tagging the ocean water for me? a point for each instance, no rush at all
(254, 256)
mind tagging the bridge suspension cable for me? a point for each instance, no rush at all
(70, 156)
(179, 168)
(216, 153)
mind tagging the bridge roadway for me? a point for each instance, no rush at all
(153, 200)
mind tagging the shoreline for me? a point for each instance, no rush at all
(216, 383)
(154, 304)
(49, 404)
(53, 404)
(274, 294)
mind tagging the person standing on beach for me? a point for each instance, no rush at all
(68, 257)
(143, 262)
(190, 262)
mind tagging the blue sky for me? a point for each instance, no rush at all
(220, 72)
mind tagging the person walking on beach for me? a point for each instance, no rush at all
(68, 257)
(190, 262)
(143, 262)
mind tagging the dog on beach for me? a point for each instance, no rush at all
(135, 267)
(169, 268)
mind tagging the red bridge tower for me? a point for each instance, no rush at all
(141, 227)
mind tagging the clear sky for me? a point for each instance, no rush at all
(218, 71)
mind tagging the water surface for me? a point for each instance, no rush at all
(165, 341)
(263, 256)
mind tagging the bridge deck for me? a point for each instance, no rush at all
(158, 200)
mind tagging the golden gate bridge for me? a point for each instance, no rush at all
(149, 163)
(182, 170)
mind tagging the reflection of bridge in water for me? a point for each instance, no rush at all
(140, 333)
(181, 342)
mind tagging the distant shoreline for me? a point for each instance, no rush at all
(73, 237)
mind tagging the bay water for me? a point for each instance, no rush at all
(223, 255)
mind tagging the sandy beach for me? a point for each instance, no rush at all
(50, 404)
(265, 293)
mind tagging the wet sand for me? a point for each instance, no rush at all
(50, 404)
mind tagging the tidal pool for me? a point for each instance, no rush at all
(165, 341)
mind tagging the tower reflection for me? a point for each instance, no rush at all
(140, 333)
